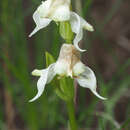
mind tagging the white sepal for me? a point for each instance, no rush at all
(40, 22)
(61, 67)
(76, 28)
(77, 25)
(88, 80)
(78, 68)
(44, 8)
(37, 72)
(86, 25)
(46, 76)
(51, 73)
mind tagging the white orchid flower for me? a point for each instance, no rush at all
(59, 11)
(68, 64)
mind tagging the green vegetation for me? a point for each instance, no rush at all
(19, 55)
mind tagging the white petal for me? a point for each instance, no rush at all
(51, 73)
(88, 80)
(78, 68)
(62, 13)
(95, 93)
(46, 76)
(40, 22)
(76, 26)
(37, 72)
(44, 8)
(86, 25)
(40, 86)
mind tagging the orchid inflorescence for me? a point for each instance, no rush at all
(68, 63)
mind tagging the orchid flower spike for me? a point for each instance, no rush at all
(59, 11)
(68, 64)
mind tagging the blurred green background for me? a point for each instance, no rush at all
(108, 54)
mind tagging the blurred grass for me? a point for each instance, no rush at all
(19, 55)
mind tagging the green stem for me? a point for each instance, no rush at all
(66, 32)
(71, 114)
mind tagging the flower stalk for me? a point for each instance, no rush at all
(71, 114)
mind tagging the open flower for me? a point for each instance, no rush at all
(59, 11)
(68, 64)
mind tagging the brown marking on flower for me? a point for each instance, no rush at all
(70, 55)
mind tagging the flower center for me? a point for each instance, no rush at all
(68, 63)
